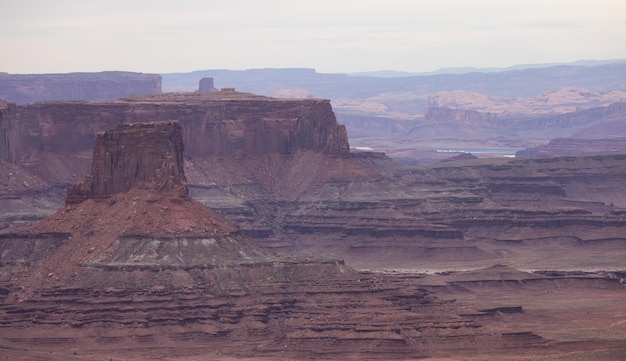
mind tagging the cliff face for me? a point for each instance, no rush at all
(215, 124)
(29, 88)
(568, 122)
(459, 116)
(574, 146)
(146, 156)
(228, 123)
(574, 121)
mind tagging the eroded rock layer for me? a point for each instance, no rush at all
(55, 139)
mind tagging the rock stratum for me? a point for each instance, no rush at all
(109, 85)
(133, 267)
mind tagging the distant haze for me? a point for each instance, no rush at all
(338, 36)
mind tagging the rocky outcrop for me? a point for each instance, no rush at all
(110, 85)
(206, 86)
(145, 156)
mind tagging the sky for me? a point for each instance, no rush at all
(331, 36)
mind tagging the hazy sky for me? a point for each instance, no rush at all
(328, 35)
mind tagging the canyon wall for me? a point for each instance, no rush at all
(571, 121)
(109, 85)
(224, 123)
(575, 146)
(462, 116)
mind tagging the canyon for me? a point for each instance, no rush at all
(131, 262)
(346, 254)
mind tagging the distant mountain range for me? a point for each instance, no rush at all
(469, 69)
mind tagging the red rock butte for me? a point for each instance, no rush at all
(143, 156)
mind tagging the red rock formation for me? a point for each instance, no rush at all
(144, 156)
(213, 124)
(29, 88)
(206, 86)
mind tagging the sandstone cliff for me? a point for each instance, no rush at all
(29, 88)
(121, 162)
(214, 124)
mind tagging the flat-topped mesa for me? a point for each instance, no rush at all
(141, 155)
(232, 123)
(107, 85)
(220, 123)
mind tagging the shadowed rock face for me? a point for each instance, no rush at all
(146, 156)
(29, 88)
